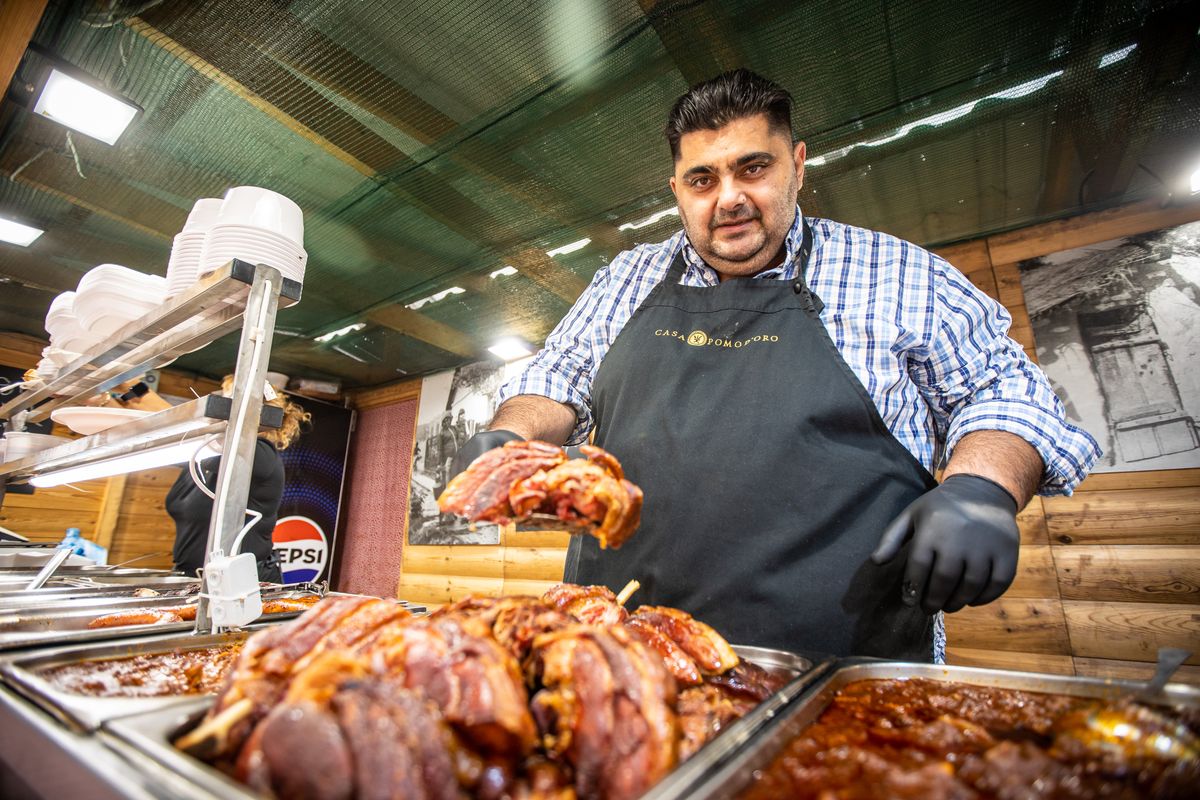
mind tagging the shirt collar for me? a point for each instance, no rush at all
(785, 271)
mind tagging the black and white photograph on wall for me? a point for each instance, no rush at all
(454, 405)
(1117, 326)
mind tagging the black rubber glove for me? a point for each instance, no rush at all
(477, 445)
(964, 549)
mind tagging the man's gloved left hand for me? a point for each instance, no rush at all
(964, 549)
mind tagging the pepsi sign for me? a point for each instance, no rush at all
(302, 549)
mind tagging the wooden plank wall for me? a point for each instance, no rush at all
(125, 513)
(1105, 577)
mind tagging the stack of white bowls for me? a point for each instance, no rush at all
(259, 226)
(111, 296)
(183, 269)
(68, 336)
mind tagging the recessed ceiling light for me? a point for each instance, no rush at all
(433, 298)
(569, 248)
(83, 107)
(16, 233)
(510, 349)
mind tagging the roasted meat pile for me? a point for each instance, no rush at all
(523, 479)
(488, 698)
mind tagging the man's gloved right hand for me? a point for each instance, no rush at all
(479, 444)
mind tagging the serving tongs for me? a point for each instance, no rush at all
(49, 569)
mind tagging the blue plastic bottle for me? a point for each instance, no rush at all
(73, 541)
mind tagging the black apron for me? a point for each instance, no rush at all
(768, 473)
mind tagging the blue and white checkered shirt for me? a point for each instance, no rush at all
(931, 349)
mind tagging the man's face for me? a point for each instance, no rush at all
(736, 188)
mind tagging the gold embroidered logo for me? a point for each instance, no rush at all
(702, 339)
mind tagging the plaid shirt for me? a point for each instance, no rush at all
(930, 348)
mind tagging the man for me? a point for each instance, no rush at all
(781, 388)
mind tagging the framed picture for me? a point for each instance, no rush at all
(1117, 326)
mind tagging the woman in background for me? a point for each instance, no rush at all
(191, 508)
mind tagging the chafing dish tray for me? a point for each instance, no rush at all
(151, 733)
(67, 623)
(734, 775)
(54, 592)
(25, 672)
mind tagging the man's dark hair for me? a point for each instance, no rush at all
(731, 95)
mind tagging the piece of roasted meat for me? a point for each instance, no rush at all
(523, 480)
(607, 708)
(594, 605)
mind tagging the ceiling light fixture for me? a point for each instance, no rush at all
(942, 117)
(510, 349)
(569, 248)
(433, 298)
(505, 270)
(673, 211)
(75, 101)
(329, 337)
(15, 232)
(147, 459)
(1196, 181)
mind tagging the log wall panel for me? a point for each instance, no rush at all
(1131, 670)
(1000, 659)
(1125, 516)
(1150, 574)
(1131, 631)
(1011, 624)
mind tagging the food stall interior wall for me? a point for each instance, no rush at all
(1105, 578)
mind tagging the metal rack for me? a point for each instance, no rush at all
(238, 294)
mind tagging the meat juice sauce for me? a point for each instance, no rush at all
(929, 739)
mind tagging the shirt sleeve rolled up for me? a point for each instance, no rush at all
(976, 378)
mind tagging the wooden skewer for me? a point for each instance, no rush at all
(628, 591)
(217, 727)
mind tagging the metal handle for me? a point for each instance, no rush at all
(1169, 660)
(53, 564)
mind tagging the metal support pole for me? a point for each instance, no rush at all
(237, 451)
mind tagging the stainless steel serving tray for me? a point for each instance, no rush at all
(23, 672)
(59, 593)
(59, 624)
(150, 735)
(734, 775)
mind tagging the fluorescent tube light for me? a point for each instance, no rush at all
(673, 211)
(510, 349)
(83, 107)
(147, 459)
(505, 270)
(16, 233)
(329, 337)
(433, 298)
(1196, 181)
(1117, 55)
(569, 248)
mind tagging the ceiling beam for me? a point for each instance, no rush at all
(696, 38)
(289, 101)
(18, 22)
(94, 207)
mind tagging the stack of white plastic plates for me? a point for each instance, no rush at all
(111, 296)
(183, 269)
(68, 336)
(87, 420)
(259, 226)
